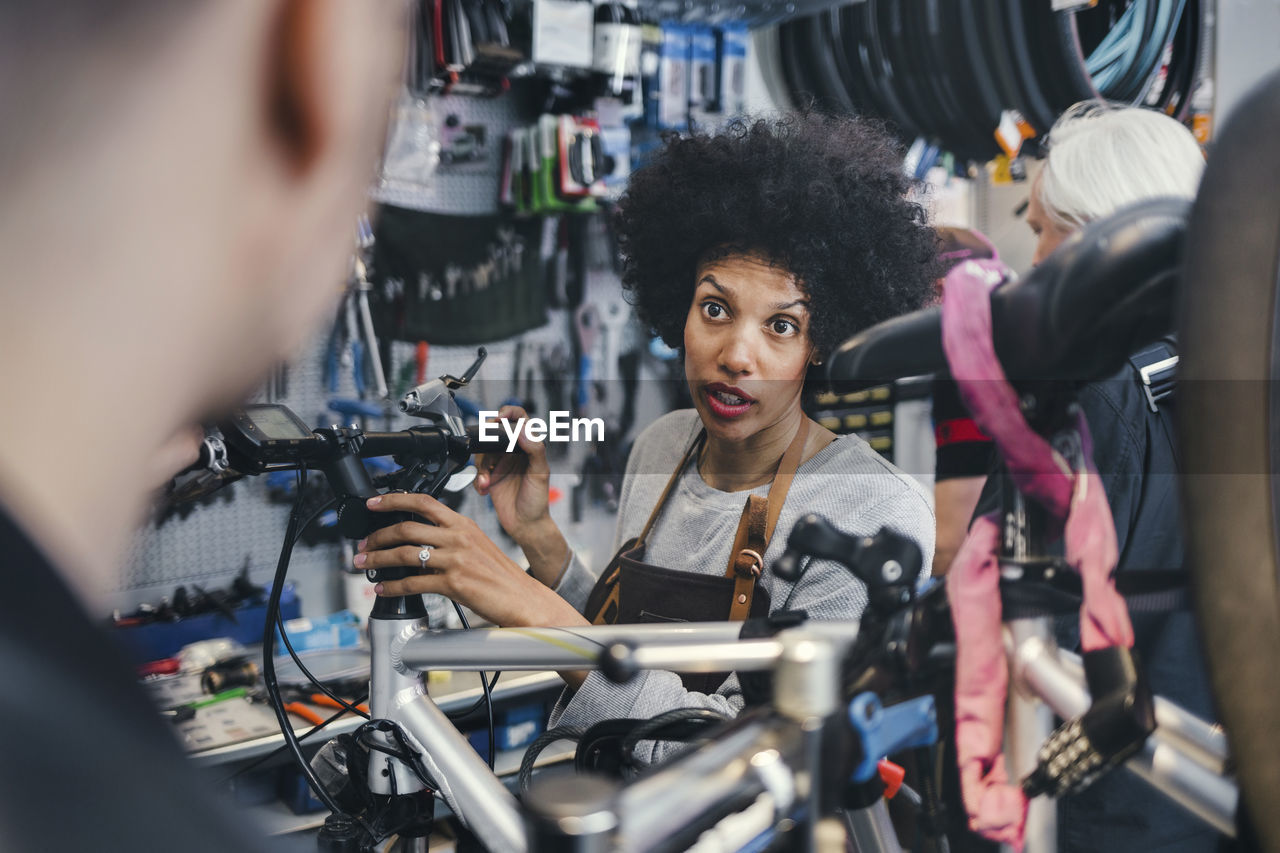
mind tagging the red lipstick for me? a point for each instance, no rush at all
(727, 401)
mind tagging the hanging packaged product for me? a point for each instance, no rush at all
(413, 147)
(580, 157)
(673, 78)
(704, 100)
(529, 160)
(1012, 132)
(556, 186)
(562, 33)
(733, 40)
(1202, 111)
(616, 54)
(616, 143)
(509, 180)
(650, 63)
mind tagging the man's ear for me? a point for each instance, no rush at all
(297, 110)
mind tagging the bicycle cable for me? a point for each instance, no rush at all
(275, 752)
(486, 687)
(461, 715)
(315, 682)
(651, 729)
(540, 743)
(269, 667)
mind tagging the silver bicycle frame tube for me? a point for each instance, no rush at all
(1028, 724)
(460, 775)
(1166, 762)
(404, 648)
(510, 649)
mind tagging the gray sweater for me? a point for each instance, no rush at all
(847, 482)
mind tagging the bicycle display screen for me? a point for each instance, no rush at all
(276, 423)
(266, 434)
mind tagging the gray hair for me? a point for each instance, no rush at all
(1103, 157)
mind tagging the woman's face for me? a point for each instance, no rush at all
(1049, 234)
(746, 343)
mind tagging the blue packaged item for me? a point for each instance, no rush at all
(296, 793)
(704, 99)
(514, 728)
(339, 630)
(673, 78)
(732, 78)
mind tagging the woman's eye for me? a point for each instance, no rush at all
(714, 310)
(784, 327)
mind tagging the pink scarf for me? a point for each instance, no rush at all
(1074, 499)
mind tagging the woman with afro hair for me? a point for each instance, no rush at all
(755, 252)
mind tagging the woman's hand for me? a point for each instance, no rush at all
(519, 484)
(464, 564)
(520, 487)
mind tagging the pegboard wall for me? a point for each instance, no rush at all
(211, 544)
(453, 146)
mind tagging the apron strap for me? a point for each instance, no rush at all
(671, 484)
(755, 528)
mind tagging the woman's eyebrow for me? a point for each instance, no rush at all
(781, 306)
(803, 303)
(711, 280)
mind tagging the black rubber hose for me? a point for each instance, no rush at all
(881, 72)
(818, 58)
(969, 53)
(891, 34)
(1039, 111)
(846, 62)
(951, 76)
(1058, 56)
(857, 54)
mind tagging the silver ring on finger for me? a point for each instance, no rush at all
(423, 556)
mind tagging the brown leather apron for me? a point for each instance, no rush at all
(632, 591)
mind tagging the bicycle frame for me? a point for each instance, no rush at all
(660, 805)
(1184, 758)
(777, 758)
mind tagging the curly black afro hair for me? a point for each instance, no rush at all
(822, 197)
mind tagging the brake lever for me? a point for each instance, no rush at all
(434, 400)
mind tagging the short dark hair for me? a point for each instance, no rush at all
(823, 197)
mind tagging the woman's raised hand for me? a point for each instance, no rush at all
(519, 484)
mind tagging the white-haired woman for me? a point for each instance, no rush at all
(1102, 158)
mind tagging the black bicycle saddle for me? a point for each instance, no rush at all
(1107, 291)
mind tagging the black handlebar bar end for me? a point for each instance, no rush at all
(618, 663)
